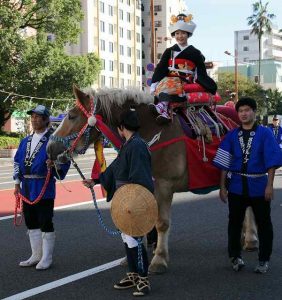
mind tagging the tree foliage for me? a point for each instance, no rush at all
(31, 64)
(249, 88)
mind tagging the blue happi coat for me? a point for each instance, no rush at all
(31, 187)
(277, 132)
(133, 165)
(264, 154)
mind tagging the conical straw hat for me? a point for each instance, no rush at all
(134, 210)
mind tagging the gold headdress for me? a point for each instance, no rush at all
(182, 22)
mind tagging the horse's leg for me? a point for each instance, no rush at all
(250, 241)
(160, 260)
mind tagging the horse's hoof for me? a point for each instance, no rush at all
(157, 269)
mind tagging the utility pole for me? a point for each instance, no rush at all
(153, 34)
(236, 75)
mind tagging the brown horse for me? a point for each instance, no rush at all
(169, 164)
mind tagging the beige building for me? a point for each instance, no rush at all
(112, 29)
(163, 10)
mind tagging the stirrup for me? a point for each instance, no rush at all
(143, 287)
(128, 282)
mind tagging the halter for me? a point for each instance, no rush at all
(85, 130)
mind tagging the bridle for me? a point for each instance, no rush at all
(75, 137)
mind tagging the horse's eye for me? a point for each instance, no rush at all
(71, 117)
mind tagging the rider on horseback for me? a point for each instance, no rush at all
(180, 64)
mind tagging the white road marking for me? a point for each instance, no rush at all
(60, 207)
(63, 281)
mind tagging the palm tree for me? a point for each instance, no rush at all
(261, 23)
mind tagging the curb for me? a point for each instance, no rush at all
(7, 161)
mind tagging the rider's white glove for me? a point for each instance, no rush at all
(153, 87)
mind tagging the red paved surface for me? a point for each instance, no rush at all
(79, 193)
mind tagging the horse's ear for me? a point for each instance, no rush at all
(81, 96)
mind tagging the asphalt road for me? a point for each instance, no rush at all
(199, 267)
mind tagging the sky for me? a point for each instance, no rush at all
(217, 20)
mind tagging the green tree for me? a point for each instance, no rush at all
(31, 64)
(274, 101)
(246, 87)
(260, 21)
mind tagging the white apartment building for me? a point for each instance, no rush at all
(112, 29)
(247, 45)
(163, 10)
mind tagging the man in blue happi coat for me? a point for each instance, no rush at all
(276, 130)
(31, 165)
(248, 157)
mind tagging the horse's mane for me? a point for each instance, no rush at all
(109, 96)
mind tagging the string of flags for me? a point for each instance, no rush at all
(10, 94)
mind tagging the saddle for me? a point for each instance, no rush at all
(198, 114)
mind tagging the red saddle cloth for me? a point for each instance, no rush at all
(202, 175)
(196, 94)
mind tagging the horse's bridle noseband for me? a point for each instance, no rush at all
(85, 130)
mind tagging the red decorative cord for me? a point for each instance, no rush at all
(20, 198)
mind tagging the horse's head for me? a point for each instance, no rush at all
(76, 131)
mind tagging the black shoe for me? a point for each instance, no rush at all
(237, 263)
(153, 110)
(262, 267)
(161, 120)
(143, 287)
(128, 282)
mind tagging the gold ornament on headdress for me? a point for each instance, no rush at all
(174, 19)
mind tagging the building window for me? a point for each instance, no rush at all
(128, 34)
(138, 54)
(128, 17)
(245, 59)
(122, 83)
(128, 2)
(129, 82)
(121, 67)
(111, 47)
(102, 80)
(157, 8)
(128, 69)
(138, 71)
(111, 81)
(143, 39)
(158, 23)
(103, 64)
(143, 55)
(102, 7)
(102, 26)
(111, 29)
(111, 65)
(121, 32)
(128, 51)
(138, 37)
(121, 1)
(245, 37)
(111, 10)
(121, 50)
(121, 14)
(256, 78)
(102, 45)
(138, 20)
(143, 71)
(245, 48)
(143, 24)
